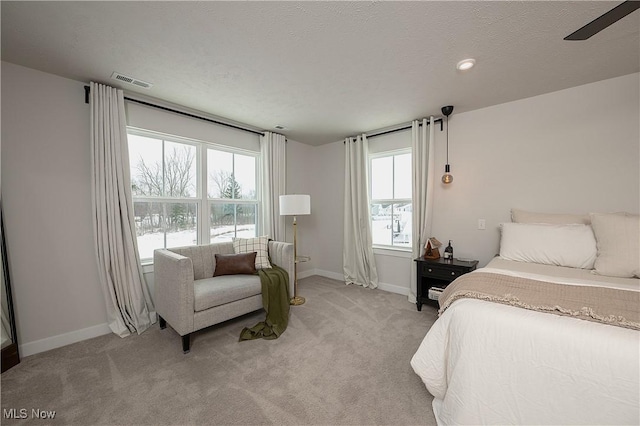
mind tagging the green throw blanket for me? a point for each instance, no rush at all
(275, 300)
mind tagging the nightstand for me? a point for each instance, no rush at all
(438, 273)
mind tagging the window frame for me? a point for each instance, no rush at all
(392, 201)
(201, 199)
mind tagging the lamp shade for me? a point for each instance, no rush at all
(295, 205)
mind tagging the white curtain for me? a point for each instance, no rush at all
(274, 167)
(422, 148)
(359, 265)
(129, 304)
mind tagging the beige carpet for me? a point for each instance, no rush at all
(343, 360)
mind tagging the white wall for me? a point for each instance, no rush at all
(46, 199)
(575, 151)
(328, 168)
(556, 152)
(301, 180)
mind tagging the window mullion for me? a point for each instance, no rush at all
(257, 211)
(393, 214)
(164, 193)
(393, 177)
(233, 195)
(383, 201)
(165, 199)
(164, 224)
(203, 188)
(164, 167)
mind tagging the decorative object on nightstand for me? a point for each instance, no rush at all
(448, 252)
(295, 205)
(435, 275)
(431, 249)
(447, 177)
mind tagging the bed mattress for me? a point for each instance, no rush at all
(489, 363)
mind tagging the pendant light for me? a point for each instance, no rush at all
(447, 177)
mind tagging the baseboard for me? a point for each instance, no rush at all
(46, 344)
(329, 274)
(307, 273)
(391, 288)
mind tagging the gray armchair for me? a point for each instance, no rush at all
(190, 298)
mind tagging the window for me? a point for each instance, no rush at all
(170, 194)
(233, 202)
(390, 177)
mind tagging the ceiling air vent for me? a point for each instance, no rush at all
(131, 80)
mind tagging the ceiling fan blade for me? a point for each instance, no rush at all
(604, 21)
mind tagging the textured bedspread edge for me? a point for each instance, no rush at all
(605, 305)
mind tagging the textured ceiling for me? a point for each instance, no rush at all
(324, 70)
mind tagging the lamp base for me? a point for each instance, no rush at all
(297, 300)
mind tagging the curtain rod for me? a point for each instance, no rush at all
(87, 91)
(437, 120)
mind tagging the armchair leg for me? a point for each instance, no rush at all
(186, 343)
(163, 323)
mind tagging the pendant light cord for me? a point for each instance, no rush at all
(447, 139)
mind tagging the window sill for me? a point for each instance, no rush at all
(147, 267)
(392, 252)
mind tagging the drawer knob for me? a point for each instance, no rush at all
(453, 273)
(429, 269)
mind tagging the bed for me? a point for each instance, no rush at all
(493, 357)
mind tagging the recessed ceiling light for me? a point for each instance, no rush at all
(466, 64)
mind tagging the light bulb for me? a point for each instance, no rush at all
(447, 177)
(466, 64)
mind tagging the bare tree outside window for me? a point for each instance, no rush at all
(174, 178)
(218, 181)
(179, 181)
(149, 180)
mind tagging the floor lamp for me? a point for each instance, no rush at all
(295, 205)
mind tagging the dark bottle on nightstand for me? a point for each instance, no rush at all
(448, 252)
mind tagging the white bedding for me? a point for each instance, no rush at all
(488, 363)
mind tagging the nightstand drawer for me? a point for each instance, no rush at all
(442, 273)
(438, 273)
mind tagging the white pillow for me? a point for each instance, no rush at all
(259, 244)
(618, 242)
(573, 245)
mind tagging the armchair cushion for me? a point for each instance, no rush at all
(233, 264)
(217, 291)
(259, 244)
